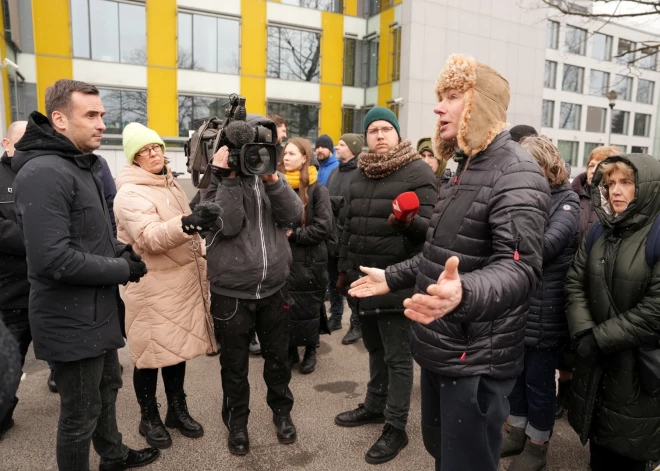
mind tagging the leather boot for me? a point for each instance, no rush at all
(390, 443)
(353, 335)
(178, 416)
(51, 382)
(308, 364)
(334, 324)
(238, 441)
(359, 416)
(293, 357)
(514, 442)
(562, 398)
(152, 428)
(135, 459)
(286, 431)
(533, 458)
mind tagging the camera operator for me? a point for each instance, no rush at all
(248, 264)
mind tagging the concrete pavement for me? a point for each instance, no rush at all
(338, 384)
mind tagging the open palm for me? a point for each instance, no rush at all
(373, 284)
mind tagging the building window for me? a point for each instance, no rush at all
(22, 98)
(302, 119)
(642, 125)
(208, 43)
(639, 150)
(371, 53)
(596, 119)
(646, 60)
(645, 91)
(623, 87)
(588, 148)
(352, 120)
(548, 113)
(573, 79)
(550, 77)
(576, 40)
(350, 50)
(624, 54)
(599, 83)
(193, 110)
(569, 116)
(552, 35)
(601, 47)
(620, 121)
(395, 54)
(569, 151)
(109, 31)
(620, 147)
(293, 54)
(336, 6)
(123, 107)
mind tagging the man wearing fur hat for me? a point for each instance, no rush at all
(372, 235)
(469, 329)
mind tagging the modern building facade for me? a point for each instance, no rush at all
(319, 63)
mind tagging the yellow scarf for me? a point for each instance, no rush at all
(294, 177)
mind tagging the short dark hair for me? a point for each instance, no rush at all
(278, 120)
(58, 95)
(521, 131)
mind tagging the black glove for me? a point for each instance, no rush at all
(587, 346)
(397, 224)
(137, 268)
(195, 223)
(342, 281)
(128, 248)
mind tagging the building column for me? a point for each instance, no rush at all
(384, 79)
(332, 74)
(254, 29)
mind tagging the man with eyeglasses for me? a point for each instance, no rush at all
(373, 236)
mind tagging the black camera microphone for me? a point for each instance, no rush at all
(239, 133)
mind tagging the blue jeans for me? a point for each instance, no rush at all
(533, 399)
(88, 392)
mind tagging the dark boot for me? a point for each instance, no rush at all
(359, 416)
(353, 335)
(286, 431)
(562, 397)
(390, 443)
(293, 357)
(238, 441)
(334, 323)
(308, 364)
(533, 458)
(152, 428)
(51, 382)
(255, 346)
(5, 425)
(178, 416)
(514, 442)
(135, 459)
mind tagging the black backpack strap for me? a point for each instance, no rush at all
(593, 235)
(653, 244)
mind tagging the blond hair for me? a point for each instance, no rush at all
(602, 152)
(548, 157)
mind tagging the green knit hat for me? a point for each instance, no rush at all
(136, 136)
(378, 113)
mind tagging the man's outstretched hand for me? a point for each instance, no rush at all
(442, 298)
(373, 284)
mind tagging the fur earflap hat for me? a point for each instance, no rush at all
(486, 101)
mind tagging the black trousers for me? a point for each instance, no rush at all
(462, 419)
(604, 459)
(145, 381)
(233, 318)
(18, 323)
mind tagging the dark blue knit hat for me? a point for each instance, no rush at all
(325, 141)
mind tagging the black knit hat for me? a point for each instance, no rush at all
(522, 130)
(325, 141)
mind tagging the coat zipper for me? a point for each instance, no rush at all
(261, 235)
(96, 294)
(469, 340)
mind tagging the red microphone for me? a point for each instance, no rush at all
(405, 206)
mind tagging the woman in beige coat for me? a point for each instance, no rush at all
(167, 312)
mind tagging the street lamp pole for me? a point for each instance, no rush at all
(611, 96)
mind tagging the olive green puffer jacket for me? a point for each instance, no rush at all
(608, 406)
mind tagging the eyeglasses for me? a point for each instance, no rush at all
(385, 130)
(146, 151)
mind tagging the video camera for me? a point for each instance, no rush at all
(251, 140)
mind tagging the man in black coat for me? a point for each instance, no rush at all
(74, 267)
(348, 148)
(469, 329)
(372, 235)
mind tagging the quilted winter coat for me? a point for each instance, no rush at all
(167, 311)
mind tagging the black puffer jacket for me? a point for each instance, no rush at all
(338, 185)
(498, 205)
(10, 369)
(587, 212)
(367, 238)
(608, 405)
(14, 284)
(546, 321)
(71, 253)
(308, 277)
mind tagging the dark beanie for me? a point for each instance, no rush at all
(522, 130)
(379, 113)
(325, 141)
(355, 142)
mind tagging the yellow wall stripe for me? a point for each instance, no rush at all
(384, 79)
(162, 95)
(253, 54)
(5, 75)
(52, 44)
(332, 74)
(350, 7)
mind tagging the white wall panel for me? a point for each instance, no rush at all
(296, 16)
(230, 7)
(110, 74)
(292, 91)
(353, 96)
(355, 26)
(28, 67)
(208, 83)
